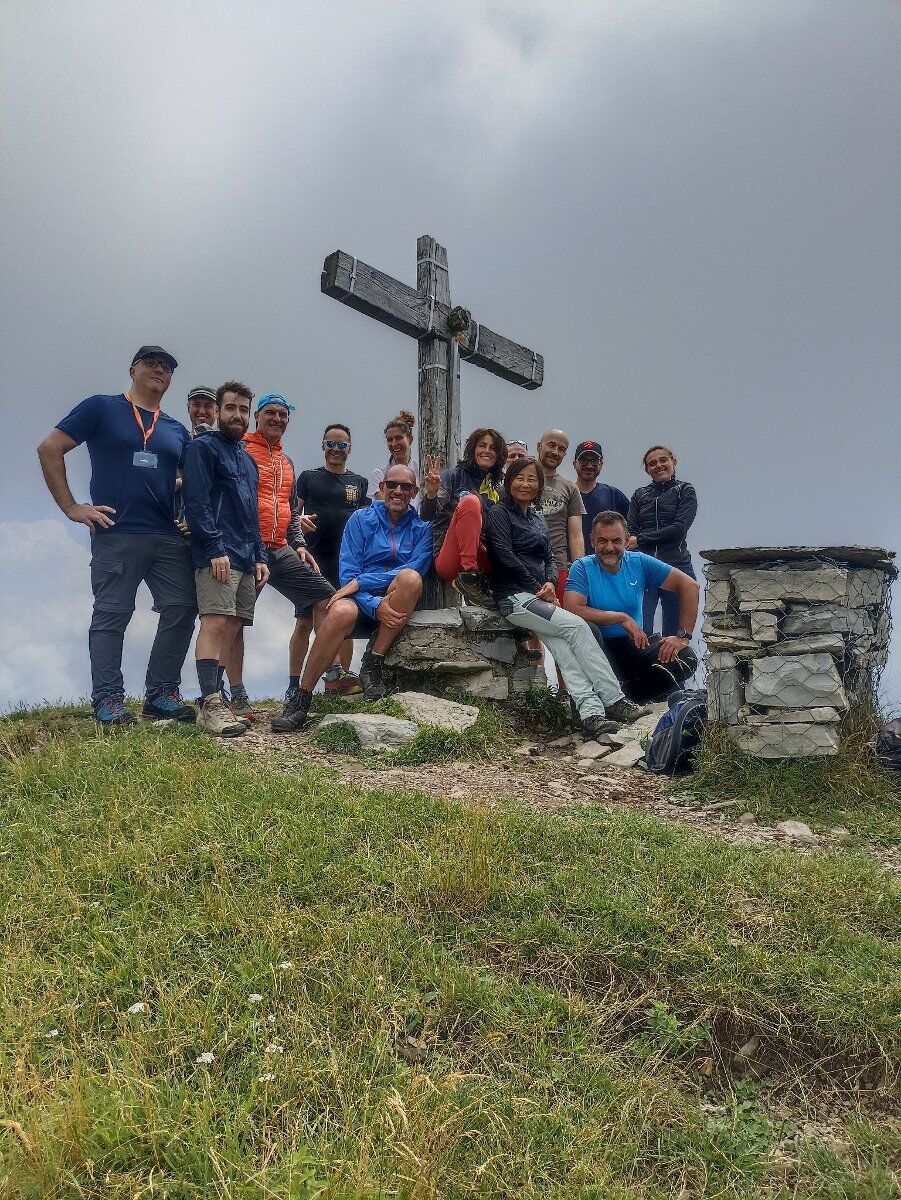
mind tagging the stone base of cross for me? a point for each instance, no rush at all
(445, 335)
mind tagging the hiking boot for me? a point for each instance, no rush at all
(594, 727)
(341, 683)
(473, 587)
(292, 689)
(626, 712)
(241, 707)
(227, 701)
(371, 678)
(112, 712)
(168, 706)
(294, 715)
(216, 718)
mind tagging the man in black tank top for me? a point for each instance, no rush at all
(329, 495)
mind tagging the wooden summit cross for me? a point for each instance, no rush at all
(445, 335)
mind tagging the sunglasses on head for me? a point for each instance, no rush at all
(516, 442)
(332, 445)
(396, 485)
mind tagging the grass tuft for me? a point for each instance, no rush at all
(851, 789)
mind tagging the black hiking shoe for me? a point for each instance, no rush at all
(594, 727)
(168, 706)
(626, 712)
(294, 715)
(371, 675)
(473, 587)
(111, 712)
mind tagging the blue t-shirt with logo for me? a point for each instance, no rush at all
(622, 592)
(143, 497)
(602, 498)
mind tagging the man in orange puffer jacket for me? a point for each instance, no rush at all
(292, 569)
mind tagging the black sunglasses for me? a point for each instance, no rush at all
(394, 486)
(157, 362)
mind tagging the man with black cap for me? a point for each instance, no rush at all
(597, 497)
(202, 409)
(135, 451)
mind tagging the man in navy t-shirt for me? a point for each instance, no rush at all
(135, 451)
(607, 590)
(597, 497)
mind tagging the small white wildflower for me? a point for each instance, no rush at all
(266, 1077)
(287, 965)
(52, 1033)
(273, 1048)
(254, 997)
(271, 1018)
(137, 1007)
(206, 1058)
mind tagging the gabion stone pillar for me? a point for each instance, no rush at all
(797, 637)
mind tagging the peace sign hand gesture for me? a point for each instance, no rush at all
(432, 481)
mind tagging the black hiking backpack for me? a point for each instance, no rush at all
(677, 734)
(888, 745)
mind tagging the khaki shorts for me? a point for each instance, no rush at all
(233, 599)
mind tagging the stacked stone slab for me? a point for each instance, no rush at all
(796, 639)
(470, 649)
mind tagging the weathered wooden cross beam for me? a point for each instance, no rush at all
(445, 335)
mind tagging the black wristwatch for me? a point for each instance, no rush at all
(681, 633)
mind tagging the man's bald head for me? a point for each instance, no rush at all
(399, 471)
(552, 449)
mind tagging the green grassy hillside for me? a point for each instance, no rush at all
(378, 994)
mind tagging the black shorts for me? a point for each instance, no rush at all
(296, 582)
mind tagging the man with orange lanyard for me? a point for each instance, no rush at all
(135, 451)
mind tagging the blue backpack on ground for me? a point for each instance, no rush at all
(677, 734)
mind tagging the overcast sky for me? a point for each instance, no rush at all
(690, 207)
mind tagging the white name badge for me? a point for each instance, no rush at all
(144, 458)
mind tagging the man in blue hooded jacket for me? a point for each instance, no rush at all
(385, 552)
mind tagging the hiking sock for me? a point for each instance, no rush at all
(293, 682)
(220, 676)
(208, 675)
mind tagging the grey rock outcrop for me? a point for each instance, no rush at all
(795, 681)
(432, 710)
(375, 731)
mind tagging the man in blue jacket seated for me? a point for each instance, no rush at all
(385, 552)
(607, 589)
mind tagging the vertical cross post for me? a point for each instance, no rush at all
(439, 386)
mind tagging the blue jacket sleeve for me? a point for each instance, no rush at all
(350, 564)
(196, 486)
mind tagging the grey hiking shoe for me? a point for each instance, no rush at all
(216, 717)
(594, 727)
(371, 675)
(294, 715)
(626, 712)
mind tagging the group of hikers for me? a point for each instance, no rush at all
(212, 518)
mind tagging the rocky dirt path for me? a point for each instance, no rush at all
(554, 778)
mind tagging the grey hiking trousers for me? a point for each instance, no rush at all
(119, 563)
(588, 676)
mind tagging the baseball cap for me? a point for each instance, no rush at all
(201, 393)
(155, 352)
(274, 398)
(589, 448)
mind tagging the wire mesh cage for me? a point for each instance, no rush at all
(797, 638)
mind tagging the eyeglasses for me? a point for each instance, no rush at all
(394, 485)
(157, 362)
(330, 445)
(658, 462)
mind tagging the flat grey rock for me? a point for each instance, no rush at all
(797, 831)
(827, 643)
(795, 681)
(822, 584)
(790, 740)
(724, 691)
(789, 716)
(431, 710)
(375, 731)
(827, 618)
(425, 618)
(484, 621)
(855, 555)
(627, 756)
(592, 750)
(500, 649)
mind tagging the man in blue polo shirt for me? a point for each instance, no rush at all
(135, 451)
(607, 589)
